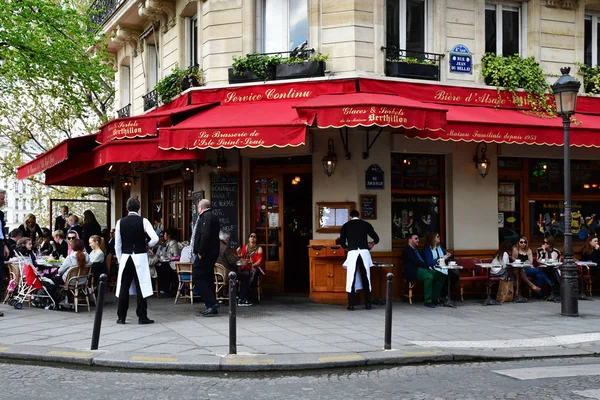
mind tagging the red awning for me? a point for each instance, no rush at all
(257, 124)
(57, 154)
(147, 124)
(368, 109)
(483, 124)
(88, 165)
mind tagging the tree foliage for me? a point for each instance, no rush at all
(56, 81)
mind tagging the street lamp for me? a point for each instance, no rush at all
(565, 92)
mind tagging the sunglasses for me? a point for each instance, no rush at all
(522, 242)
(545, 242)
(71, 237)
(252, 236)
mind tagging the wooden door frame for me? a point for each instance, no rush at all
(260, 171)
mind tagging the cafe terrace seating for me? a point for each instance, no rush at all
(76, 284)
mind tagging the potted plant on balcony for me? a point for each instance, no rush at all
(512, 73)
(299, 67)
(413, 67)
(253, 68)
(591, 78)
(178, 81)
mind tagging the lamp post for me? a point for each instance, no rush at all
(565, 92)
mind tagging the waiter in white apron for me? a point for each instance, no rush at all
(130, 247)
(354, 238)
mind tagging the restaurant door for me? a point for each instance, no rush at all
(273, 220)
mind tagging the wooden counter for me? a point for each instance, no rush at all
(328, 277)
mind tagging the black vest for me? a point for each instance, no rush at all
(133, 235)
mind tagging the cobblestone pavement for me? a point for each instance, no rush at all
(442, 381)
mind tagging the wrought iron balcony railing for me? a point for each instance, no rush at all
(150, 100)
(404, 63)
(102, 10)
(124, 112)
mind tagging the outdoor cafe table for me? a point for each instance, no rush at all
(518, 298)
(380, 300)
(449, 302)
(489, 301)
(557, 264)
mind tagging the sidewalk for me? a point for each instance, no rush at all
(293, 333)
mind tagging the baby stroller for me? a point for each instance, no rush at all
(32, 289)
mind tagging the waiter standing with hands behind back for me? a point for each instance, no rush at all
(354, 238)
(130, 246)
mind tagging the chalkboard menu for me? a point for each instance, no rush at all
(225, 201)
(368, 206)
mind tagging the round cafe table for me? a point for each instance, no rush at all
(377, 264)
(489, 301)
(449, 302)
(518, 298)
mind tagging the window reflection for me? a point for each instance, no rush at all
(285, 24)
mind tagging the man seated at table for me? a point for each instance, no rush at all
(227, 256)
(415, 269)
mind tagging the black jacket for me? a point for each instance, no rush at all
(88, 231)
(4, 241)
(60, 224)
(353, 235)
(411, 263)
(206, 241)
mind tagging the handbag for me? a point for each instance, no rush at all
(505, 291)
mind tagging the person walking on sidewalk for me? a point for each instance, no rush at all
(130, 246)
(354, 238)
(416, 269)
(205, 246)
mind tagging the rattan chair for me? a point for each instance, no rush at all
(76, 283)
(184, 277)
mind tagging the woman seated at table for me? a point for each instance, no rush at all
(45, 246)
(24, 249)
(500, 268)
(548, 253)
(31, 229)
(591, 252)
(254, 253)
(434, 252)
(96, 243)
(77, 258)
(59, 245)
(167, 259)
(70, 237)
(522, 252)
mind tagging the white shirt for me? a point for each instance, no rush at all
(148, 228)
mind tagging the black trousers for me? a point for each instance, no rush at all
(204, 279)
(165, 275)
(360, 269)
(130, 275)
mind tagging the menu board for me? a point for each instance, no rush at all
(224, 196)
(368, 206)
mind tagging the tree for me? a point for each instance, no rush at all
(56, 81)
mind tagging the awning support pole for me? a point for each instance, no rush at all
(345, 143)
(370, 144)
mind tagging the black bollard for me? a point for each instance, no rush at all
(387, 345)
(99, 309)
(232, 312)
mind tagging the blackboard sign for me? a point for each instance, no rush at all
(368, 206)
(225, 201)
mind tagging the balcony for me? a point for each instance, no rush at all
(124, 112)
(412, 64)
(102, 10)
(150, 100)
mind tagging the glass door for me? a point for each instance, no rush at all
(266, 222)
(174, 210)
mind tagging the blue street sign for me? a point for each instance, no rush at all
(461, 60)
(374, 177)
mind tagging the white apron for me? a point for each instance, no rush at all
(350, 265)
(142, 270)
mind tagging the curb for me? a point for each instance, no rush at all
(277, 362)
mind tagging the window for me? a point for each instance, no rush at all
(192, 41)
(15, 219)
(408, 25)
(125, 86)
(16, 204)
(153, 66)
(417, 194)
(24, 204)
(283, 24)
(592, 42)
(504, 33)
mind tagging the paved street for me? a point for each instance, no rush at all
(292, 333)
(444, 381)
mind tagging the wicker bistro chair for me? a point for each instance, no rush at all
(221, 283)
(184, 277)
(77, 284)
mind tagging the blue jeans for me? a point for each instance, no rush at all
(539, 275)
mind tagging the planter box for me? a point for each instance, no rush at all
(249, 76)
(188, 82)
(414, 71)
(307, 69)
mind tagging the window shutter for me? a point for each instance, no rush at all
(152, 66)
(125, 86)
